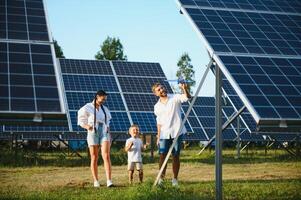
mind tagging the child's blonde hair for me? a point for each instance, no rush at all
(132, 126)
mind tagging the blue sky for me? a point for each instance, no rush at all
(150, 31)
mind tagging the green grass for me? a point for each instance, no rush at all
(271, 189)
(53, 175)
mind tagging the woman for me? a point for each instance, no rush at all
(95, 118)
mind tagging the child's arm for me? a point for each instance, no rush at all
(128, 147)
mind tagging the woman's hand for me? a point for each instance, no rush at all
(89, 127)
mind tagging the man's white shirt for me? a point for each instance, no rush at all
(168, 115)
(134, 153)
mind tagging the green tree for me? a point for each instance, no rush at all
(58, 50)
(111, 49)
(185, 70)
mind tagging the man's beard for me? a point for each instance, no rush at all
(163, 94)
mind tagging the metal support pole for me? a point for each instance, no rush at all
(218, 134)
(298, 146)
(238, 138)
(183, 122)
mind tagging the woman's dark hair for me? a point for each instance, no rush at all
(98, 93)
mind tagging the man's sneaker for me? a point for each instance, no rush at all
(174, 182)
(109, 183)
(96, 184)
(160, 181)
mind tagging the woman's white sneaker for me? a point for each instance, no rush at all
(110, 183)
(96, 184)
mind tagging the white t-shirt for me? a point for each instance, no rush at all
(85, 115)
(169, 115)
(134, 153)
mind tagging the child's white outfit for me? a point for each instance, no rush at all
(134, 153)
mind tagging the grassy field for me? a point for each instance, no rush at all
(54, 176)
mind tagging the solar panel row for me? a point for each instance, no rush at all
(28, 81)
(257, 45)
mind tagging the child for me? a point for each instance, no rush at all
(133, 147)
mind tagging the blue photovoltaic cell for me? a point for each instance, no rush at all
(264, 39)
(120, 122)
(35, 128)
(140, 102)
(78, 99)
(272, 93)
(249, 32)
(146, 122)
(23, 20)
(75, 66)
(197, 135)
(28, 81)
(89, 83)
(292, 6)
(138, 69)
(141, 85)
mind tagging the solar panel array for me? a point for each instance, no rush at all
(28, 81)
(248, 129)
(257, 45)
(81, 79)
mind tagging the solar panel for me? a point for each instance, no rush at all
(35, 128)
(257, 45)
(247, 124)
(46, 136)
(136, 80)
(77, 66)
(292, 6)
(249, 32)
(146, 121)
(23, 20)
(77, 99)
(141, 84)
(82, 78)
(140, 102)
(28, 83)
(138, 69)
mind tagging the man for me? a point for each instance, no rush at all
(168, 113)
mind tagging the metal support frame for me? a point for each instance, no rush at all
(243, 148)
(286, 148)
(238, 139)
(69, 148)
(218, 135)
(183, 122)
(225, 125)
(298, 146)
